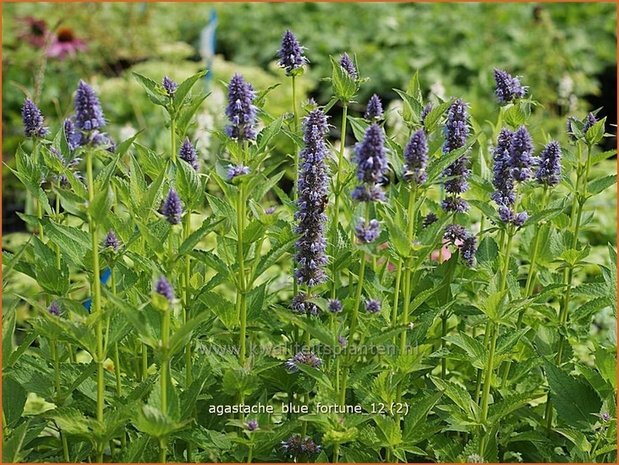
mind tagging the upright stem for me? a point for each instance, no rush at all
(412, 198)
(531, 275)
(35, 155)
(396, 297)
(493, 335)
(336, 201)
(240, 295)
(173, 154)
(577, 209)
(58, 400)
(96, 291)
(164, 373)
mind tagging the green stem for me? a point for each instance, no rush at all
(96, 291)
(577, 209)
(58, 399)
(444, 318)
(396, 297)
(494, 334)
(35, 156)
(173, 154)
(164, 373)
(336, 200)
(240, 296)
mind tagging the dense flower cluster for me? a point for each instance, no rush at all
(88, 112)
(347, 65)
(54, 309)
(170, 86)
(237, 170)
(73, 137)
(296, 446)
(508, 88)
(164, 288)
(290, 54)
(456, 133)
(188, 153)
(372, 306)
(521, 154)
(302, 358)
(502, 178)
(172, 207)
(335, 306)
(33, 120)
(374, 110)
(241, 111)
(312, 201)
(302, 305)
(466, 243)
(416, 158)
(371, 157)
(111, 241)
(367, 231)
(549, 165)
(429, 219)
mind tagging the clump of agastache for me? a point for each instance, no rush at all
(456, 133)
(241, 111)
(508, 87)
(291, 56)
(374, 110)
(313, 192)
(549, 165)
(164, 288)
(416, 158)
(172, 207)
(34, 123)
(347, 65)
(189, 154)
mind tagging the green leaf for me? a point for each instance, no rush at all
(182, 334)
(432, 119)
(182, 122)
(207, 226)
(488, 250)
(601, 184)
(73, 242)
(596, 132)
(574, 400)
(344, 86)
(13, 401)
(152, 89)
(575, 437)
(474, 349)
(188, 185)
(152, 421)
(185, 86)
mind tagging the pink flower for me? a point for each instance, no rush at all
(64, 44)
(35, 31)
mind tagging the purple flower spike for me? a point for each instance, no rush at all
(290, 54)
(33, 120)
(521, 150)
(508, 88)
(188, 153)
(169, 85)
(466, 243)
(455, 204)
(589, 121)
(73, 137)
(237, 170)
(374, 110)
(335, 306)
(172, 207)
(367, 232)
(312, 201)
(297, 447)
(164, 288)
(372, 306)
(347, 65)
(456, 127)
(468, 249)
(426, 110)
(301, 305)
(111, 241)
(429, 219)
(252, 425)
(241, 111)
(502, 175)
(416, 158)
(370, 156)
(456, 133)
(549, 165)
(302, 358)
(365, 194)
(88, 112)
(54, 309)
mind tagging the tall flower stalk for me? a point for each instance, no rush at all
(583, 169)
(241, 113)
(89, 120)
